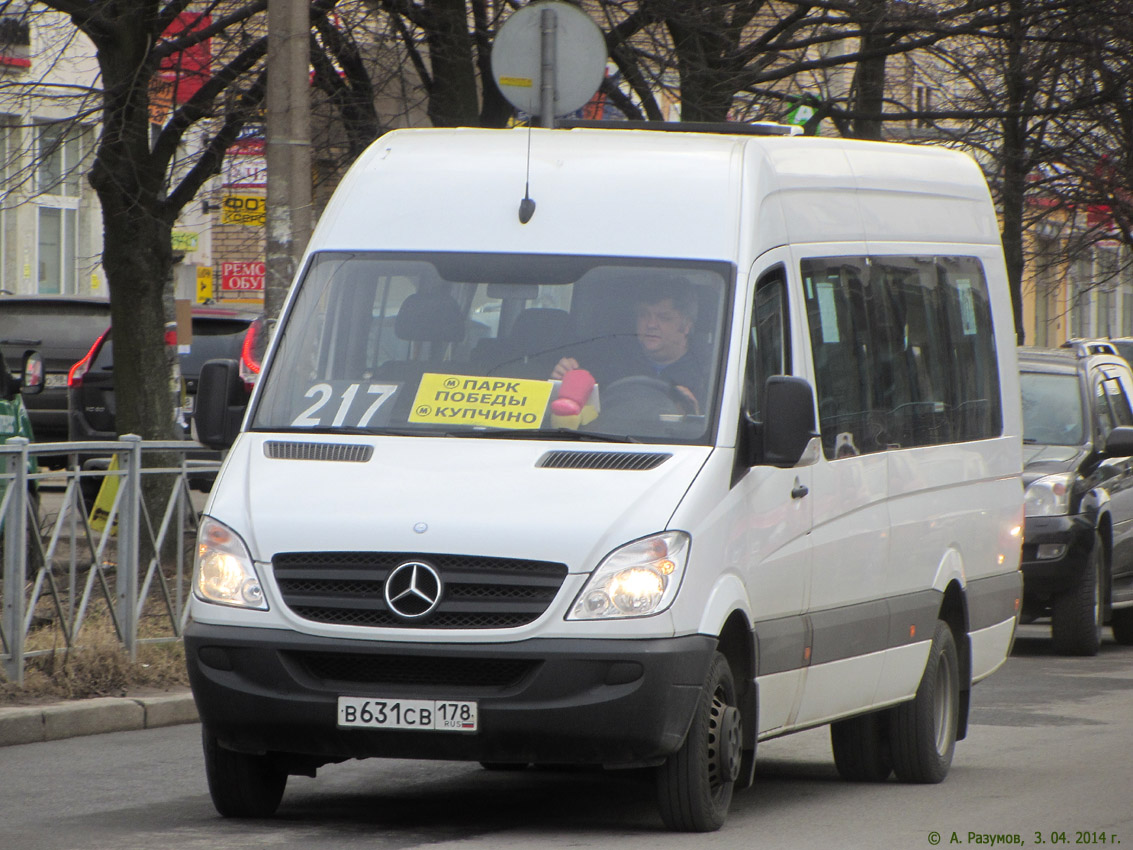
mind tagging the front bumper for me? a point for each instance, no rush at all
(550, 701)
(1044, 578)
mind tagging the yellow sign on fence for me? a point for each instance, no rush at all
(104, 501)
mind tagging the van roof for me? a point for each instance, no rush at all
(642, 193)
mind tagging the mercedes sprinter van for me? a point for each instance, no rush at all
(617, 447)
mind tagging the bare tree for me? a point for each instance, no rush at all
(141, 172)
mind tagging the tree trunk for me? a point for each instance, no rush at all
(137, 247)
(869, 77)
(453, 98)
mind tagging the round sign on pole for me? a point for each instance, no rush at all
(577, 55)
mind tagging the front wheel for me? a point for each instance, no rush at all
(1076, 616)
(695, 784)
(242, 785)
(922, 733)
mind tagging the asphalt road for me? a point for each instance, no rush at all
(1049, 755)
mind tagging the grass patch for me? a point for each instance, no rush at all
(98, 667)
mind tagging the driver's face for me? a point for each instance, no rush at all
(662, 331)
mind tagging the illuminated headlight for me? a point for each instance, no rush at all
(223, 572)
(1049, 495)
(639, 579)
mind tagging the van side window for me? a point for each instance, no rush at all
(768, 343)
(903, 352)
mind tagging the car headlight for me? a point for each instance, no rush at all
(635, 580)
(223, 571)
(1049, 495)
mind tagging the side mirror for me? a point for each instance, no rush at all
(221, 400)
(1119, 442)
(33, 380)
(788, 420)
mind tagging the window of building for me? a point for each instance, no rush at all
(15, 35)
(57, 250)
(58, 181)
(58, 159)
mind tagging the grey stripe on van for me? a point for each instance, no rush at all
(625, 461)
(790, 643)
(286, 450)
(992, 600)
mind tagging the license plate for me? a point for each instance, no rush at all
(55, 381)
(421, 714)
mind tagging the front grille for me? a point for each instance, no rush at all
(408, 670)
(348, 588)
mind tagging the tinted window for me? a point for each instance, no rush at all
(212, 339)
(62, 332)
(904, 352)
(767, 346)
(1052, 409)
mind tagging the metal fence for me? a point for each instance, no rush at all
(107, 536)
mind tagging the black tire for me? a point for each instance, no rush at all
(1121, 621)
(695, 784)
(861, 747)
(1076, 615)
(242, 785)
(922, 733)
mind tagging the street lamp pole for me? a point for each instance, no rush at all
(288, 146)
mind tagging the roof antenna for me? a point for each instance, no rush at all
(527, 206)
(524, 67)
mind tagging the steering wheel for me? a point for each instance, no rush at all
(624, 388)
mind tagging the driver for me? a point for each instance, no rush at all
(664, 314)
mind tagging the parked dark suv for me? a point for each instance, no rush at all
(61, 328)
(1078, 473)
(218, 332)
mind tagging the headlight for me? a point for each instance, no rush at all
(223, 572)
(639, 579)
(1049, 495)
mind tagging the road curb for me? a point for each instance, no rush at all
(36, 723)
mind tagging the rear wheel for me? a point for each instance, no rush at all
(242, 785)
(1076, 616)
(922, 735)
(861, 747)
(1121, 621)
(695, 784)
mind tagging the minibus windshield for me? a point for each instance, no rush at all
(501, 345)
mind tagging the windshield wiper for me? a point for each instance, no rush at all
(351, 430)
(545, 434)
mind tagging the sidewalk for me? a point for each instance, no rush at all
(30, 724)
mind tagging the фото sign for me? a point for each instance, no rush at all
(249, 210)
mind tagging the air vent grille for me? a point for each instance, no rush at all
(625, 461)
(414, 670)
(286, 450)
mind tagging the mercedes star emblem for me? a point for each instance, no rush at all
(413, 590)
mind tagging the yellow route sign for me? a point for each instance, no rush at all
(471, 400)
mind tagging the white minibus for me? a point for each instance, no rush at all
(617, 447)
